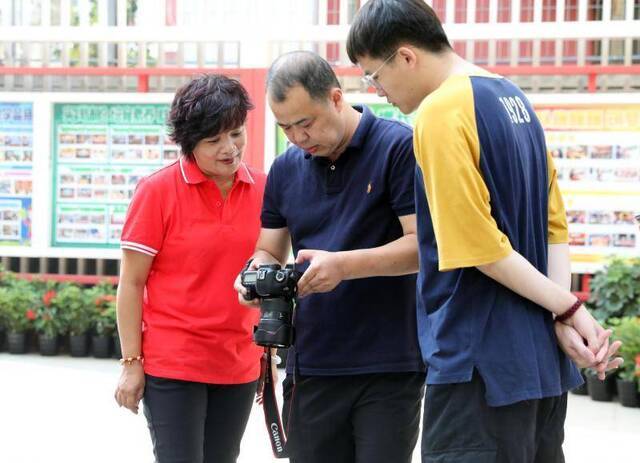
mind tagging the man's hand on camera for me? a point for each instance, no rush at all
(237, 285)
(324, 273)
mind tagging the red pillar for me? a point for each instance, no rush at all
(254, 80)
(592, 82)
(143, 83)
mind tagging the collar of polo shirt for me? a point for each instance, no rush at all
(192, 174)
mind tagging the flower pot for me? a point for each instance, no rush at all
(79, 345)
(600, 391)
(583, 389)
(48, 345)
(101, 346)
(17, 343)
(628, 393)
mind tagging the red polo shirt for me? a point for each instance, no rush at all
(193, 327)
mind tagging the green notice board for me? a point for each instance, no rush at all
(100, 152)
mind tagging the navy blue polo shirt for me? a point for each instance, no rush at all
(486, 186)
(365, 325)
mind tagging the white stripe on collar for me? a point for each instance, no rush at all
(182, 170)
(244, 166)
(246, 169)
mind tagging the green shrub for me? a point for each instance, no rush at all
(18, 305)
(627, 330)
(615, 290)
(72, 303)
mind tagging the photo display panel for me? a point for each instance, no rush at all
(16, 173)
(597, 155)
(101, 151)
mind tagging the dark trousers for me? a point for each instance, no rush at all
(459, 427)
(371, 418)
(196, 422)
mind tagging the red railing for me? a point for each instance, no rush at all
(590, 71)
(247, 75)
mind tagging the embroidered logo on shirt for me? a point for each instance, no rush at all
(369, 188)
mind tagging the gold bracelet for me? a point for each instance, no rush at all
(130, 360)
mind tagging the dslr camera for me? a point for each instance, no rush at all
(276, 288)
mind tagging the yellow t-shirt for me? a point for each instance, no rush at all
(453, 160)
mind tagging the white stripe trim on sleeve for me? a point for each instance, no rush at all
(141, 247)
(131, 248)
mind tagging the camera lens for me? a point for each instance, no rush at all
(275, 327)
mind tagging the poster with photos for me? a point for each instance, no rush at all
(97, 225)
(101, 151)
(596, 152)
(16, 173)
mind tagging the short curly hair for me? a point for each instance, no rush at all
(204, 107)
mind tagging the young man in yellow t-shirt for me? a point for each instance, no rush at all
(493, 289)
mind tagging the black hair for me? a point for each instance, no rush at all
(204, 107)
(303, 68)
(381, 26)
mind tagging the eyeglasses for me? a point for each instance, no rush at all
(370, 79)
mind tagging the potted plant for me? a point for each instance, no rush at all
(615, 293)
(5, 280)
(49, 325)
(628, 331)
(104, 327)
(615, 290)
(17, 305)
(600, 390)
(49, 322)
(2, 330)
(104, 319)
(74, 302)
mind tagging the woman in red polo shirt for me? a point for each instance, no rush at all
(186, 341)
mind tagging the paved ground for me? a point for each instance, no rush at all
(61, 410)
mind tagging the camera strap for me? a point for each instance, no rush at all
(267, 389)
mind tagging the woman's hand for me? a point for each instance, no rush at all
(130, 386)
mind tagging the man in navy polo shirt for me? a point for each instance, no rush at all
(342, 195)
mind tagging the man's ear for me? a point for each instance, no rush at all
(337, 98)
(408, 56)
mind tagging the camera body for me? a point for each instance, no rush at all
(276, 287)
